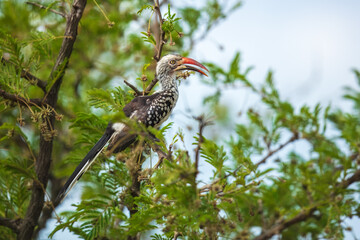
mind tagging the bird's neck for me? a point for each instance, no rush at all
(168, 83)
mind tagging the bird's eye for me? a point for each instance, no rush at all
(172, 62)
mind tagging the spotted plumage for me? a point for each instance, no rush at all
(150, 110)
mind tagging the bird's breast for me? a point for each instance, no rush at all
(160, 109)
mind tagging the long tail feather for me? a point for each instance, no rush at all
(85, 163)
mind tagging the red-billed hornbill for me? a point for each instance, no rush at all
(150, 110)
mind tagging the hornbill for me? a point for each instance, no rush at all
(150, 110)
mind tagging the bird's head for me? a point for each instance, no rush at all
(170, 64)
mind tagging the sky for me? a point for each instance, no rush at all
(310, 45)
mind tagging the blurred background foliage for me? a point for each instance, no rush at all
(260, 184)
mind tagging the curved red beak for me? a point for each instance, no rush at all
(189, 64)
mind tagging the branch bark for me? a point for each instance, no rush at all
(43, 162)
(270, 153)
(22, 101)
(159, 45)
(285, 224)
(137, 92)
(10, 223)
(28, 76)
(161, 40)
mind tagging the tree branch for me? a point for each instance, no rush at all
(202, 124)
(46, 8)
(28, 76)
(271, 152)
(10, 223)
(43, 162)
(302, 216)
(22, 101)
(161, 40)
(137, 92)
(347, 182)
(151, 85)
(159, 45)
(161, 155)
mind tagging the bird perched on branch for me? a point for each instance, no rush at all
(150, 110)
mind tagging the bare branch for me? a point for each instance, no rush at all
(161, 155)
(10, 223)
(270, 153)
(137, 92)
(151, 85)
(302, 216)
(161, 41)
(347, 182)
(22, 101)
(28, 76)
(46, 8)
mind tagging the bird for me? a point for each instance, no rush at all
(151, 110)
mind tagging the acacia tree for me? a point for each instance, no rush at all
(60, 60)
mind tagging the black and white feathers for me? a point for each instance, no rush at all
(150, 110)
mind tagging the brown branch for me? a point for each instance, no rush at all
(302, 216)
(271, 152)
(46, 8)
(347, 182)
(28, 76)
(161, 41)
(137, 92)
(22, 101)
(159, 45)
(44, 160)
(151, 86)
(10, 223)
(207, 187)
(161, 155)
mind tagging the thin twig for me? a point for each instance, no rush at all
(202, 124)
(271, 152)
(207, 187)
(161, 155)
(46, 8)
(137, 92)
